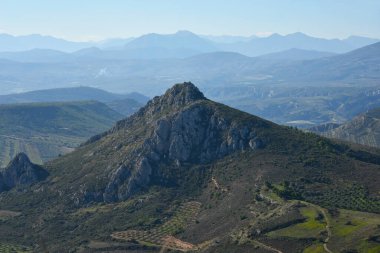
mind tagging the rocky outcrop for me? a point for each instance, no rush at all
(21, 172)
(126, 181)
(363, 129)
(186, 128)
(199, 135)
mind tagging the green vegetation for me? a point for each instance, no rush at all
(316, 248)
(354, 230)
(346, 196)
(311, 228)
(9, 248)
(350, 231)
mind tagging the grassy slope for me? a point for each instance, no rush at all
(349, 230)
(44, 130)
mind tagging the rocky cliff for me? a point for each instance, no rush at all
(185, 128)
(180, 128)
(363, 129)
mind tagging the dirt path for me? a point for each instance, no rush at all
(328, 224)
(260, 244)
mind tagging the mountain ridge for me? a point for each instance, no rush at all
(174, 45)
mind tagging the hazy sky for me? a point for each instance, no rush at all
(99, 19)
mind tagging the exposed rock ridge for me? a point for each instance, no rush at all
(186, 128)
(21, 171)
(363, 129)
(175, 98)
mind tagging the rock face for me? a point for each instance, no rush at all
(199, 135)
(363, 129)
(21, 171)
(184, 128)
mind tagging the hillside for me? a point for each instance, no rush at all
(45, 130)
(69, 94)
(126, 106)
(293, 105)
(360, 64)
(187, 174)
(363, 129)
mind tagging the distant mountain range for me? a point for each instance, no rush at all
(277, 42)
(184, 44)
(151, 76)
(279, 87)
(36, 41)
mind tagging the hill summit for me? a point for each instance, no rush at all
(20, 171)
(179, 127)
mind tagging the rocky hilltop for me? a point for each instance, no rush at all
(21, 172)
(180, 128)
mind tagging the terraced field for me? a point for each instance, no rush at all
(331, 230)
(164, 235)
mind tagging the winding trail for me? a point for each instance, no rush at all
(260, 244)
(328, 224)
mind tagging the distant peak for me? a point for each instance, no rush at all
(19, 160)
(298, 34)
(275, 35)
(21, 157)
(183, 93)
(184, 32)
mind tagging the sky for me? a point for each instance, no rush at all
(83, 20)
